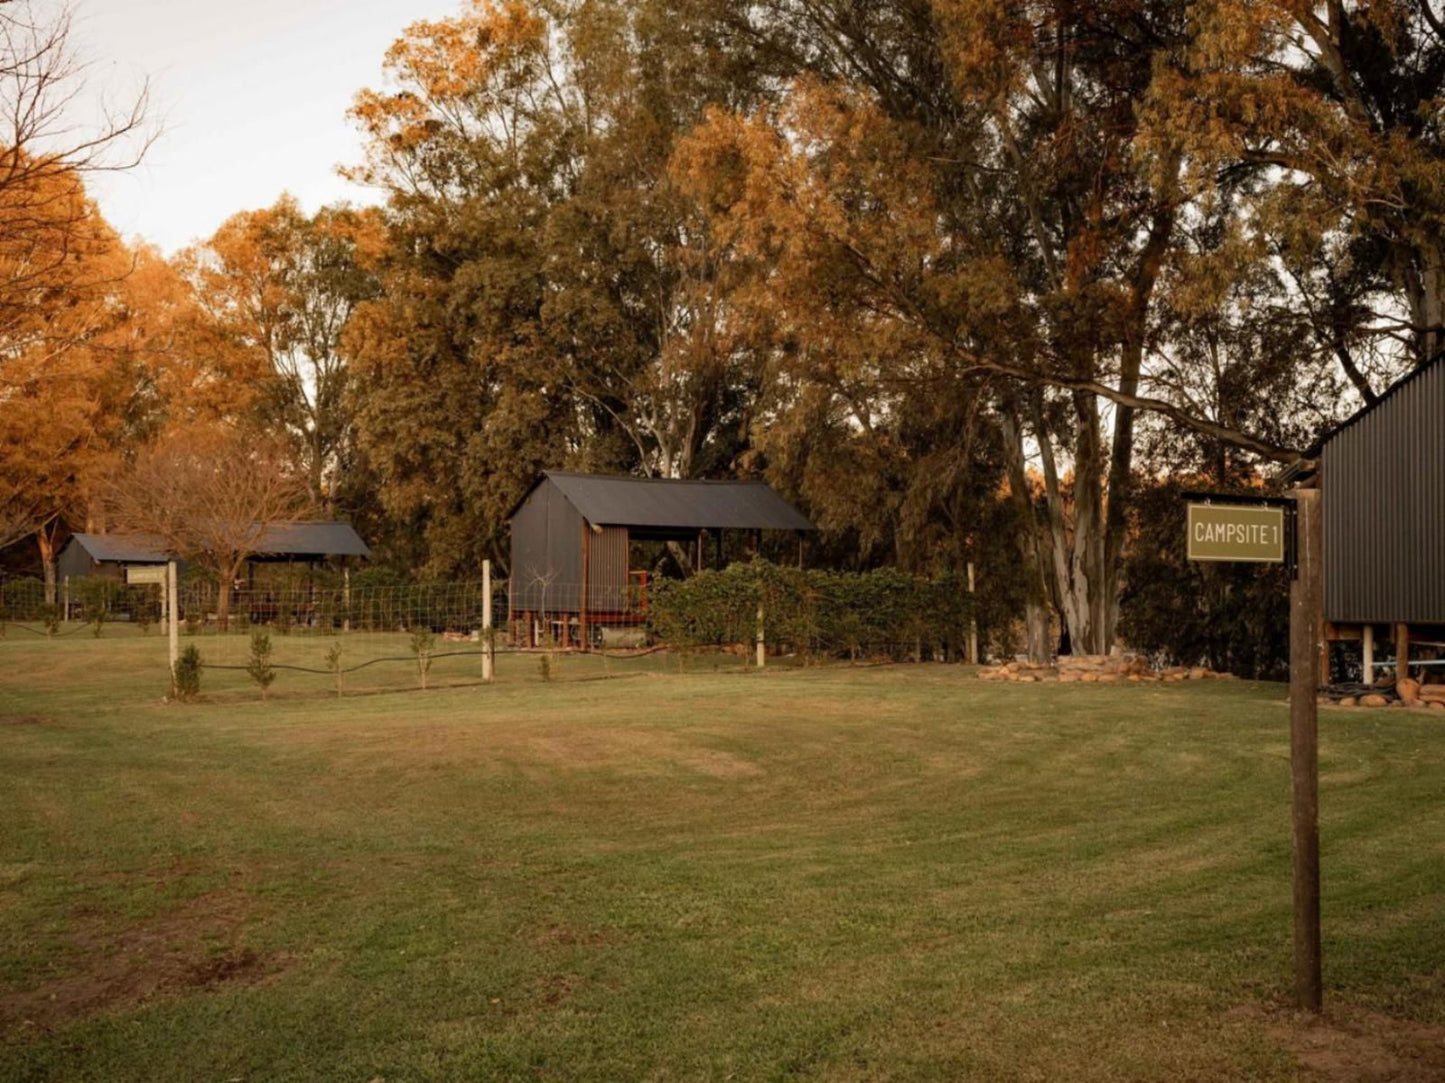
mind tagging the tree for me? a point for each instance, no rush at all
(210, 494)
(277, 289)
(60, 267)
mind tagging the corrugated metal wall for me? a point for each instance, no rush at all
(1384, 509)
(546, 553)
(607, 570)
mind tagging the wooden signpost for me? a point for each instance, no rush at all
(1268, 530)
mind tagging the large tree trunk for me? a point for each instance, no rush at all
(1425, 285)
(1032, 535)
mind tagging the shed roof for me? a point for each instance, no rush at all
(122, 548)
(666, 503)
(308, 538)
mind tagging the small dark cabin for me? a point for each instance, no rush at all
(308, 541)
(1382, 481)
(573, 537)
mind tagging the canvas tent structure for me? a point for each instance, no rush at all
(573, 536)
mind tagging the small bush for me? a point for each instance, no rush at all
(422, 643)
(544, 667)
(188, 674)
(258, 666)
(333, 663)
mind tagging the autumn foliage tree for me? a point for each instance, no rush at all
(210, 494)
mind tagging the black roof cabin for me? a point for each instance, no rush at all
(1382, 480)
(572, 536)
(307, 541)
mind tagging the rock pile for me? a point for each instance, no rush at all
(1095, 669)
(1385, 693)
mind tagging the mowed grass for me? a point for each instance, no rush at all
(828, 873)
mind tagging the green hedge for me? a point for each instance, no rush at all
(884, 613)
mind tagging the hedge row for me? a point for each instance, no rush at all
(884, 613)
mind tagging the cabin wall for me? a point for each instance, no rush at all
(74, 562)
(546, 553)
(607, 587)
(1384, 510)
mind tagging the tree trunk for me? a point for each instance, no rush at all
(45, 539)
(1425, 283)
(1032, 533)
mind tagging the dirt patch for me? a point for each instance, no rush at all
(116, 963)
(27, 720)
(1352, 1045)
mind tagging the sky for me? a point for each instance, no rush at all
(251, 99)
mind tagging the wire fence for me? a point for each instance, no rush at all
(342, 636)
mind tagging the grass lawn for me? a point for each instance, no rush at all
(833, 873)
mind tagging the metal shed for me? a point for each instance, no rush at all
(572, 537)
(108, 555)
(1382, 475)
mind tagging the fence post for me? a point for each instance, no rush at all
(65, 600)
(173, 603)
(1368, 646)
(761, 645)
(972, 619)
(488, 643)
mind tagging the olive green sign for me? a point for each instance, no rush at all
(1250, 532)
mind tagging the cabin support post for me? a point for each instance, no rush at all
(1304, 677)
(1402, 652)
(586, 575)
(1367, 646)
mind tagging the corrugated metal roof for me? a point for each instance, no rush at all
(123, 548)
(314, 538)
(672, 504)
(301, 539)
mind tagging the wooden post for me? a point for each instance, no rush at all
(345, 593)
(762, 651)
(489, 649)
(1304, 676)
(1402, 652)
(1367, 641)
(972, 620)
(586, 577)
(65, 600)
(174, 632)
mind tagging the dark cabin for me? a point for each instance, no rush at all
(573, 539)
(1382, 481)
(306, 542)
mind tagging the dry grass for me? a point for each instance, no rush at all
(831, 873)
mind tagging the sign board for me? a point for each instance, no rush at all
(151, 573)
(1244, 532)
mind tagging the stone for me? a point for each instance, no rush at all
(1108, 678)
(1374, 699)
(1135, 678)
(1198, 673)
(1350, 701)
(1091, 678)
(1435, 705)
(1408, 689)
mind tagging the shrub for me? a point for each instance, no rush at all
(333, 663)
(258, 666)
(422, 642)
(884, 613)
(187, 682)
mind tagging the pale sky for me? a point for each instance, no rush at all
(252, 97)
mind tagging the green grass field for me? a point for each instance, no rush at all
(826, 873)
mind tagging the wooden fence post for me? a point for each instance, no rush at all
(972, 619)
(1367, 641)
(174, 631)
(762, 652)
(489, 658)
(1304, 678)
